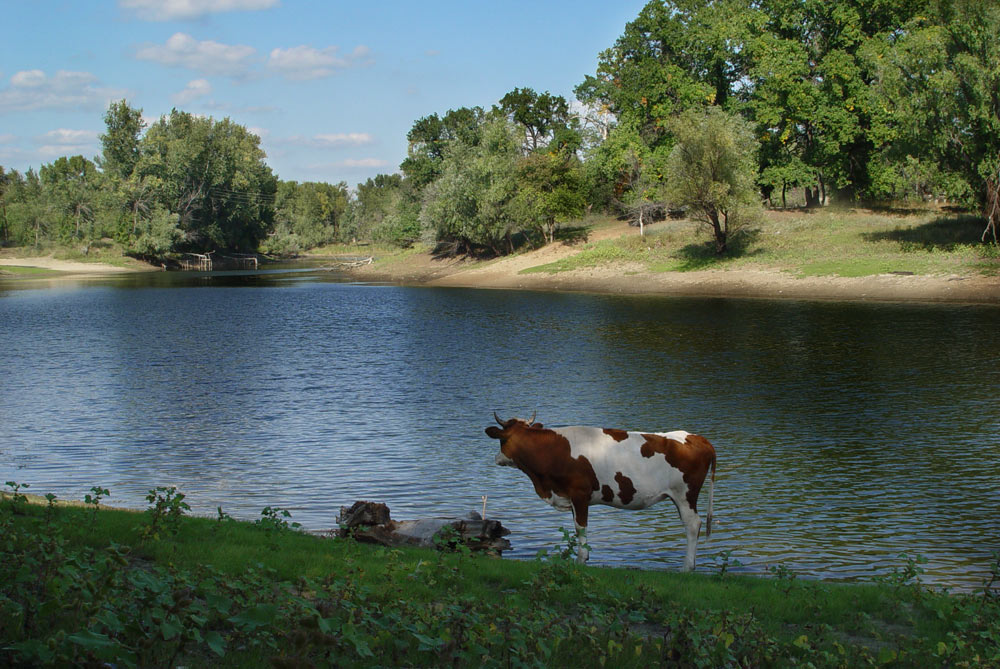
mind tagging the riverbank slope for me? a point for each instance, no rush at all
(668, 260)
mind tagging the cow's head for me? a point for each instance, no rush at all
(505, 458)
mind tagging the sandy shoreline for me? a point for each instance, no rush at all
(73, 266)
(622, 278)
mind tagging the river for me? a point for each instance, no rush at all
(847, 433)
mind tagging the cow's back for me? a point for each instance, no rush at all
(630, 473)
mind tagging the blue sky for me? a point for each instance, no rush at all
(331, 87)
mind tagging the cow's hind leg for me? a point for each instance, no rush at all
(580, 513)
(692, 527)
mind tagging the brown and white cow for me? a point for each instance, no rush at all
(574, 467)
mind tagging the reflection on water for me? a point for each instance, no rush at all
(847, 434)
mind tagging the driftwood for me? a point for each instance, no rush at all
(349, 263)
(369, 522)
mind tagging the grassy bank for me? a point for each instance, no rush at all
(88, 586)
(826, 242)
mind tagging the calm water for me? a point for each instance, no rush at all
(846, 433)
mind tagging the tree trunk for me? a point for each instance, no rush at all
(992, 209)
(720, 233)
(812, 196)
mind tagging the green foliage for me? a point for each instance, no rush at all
(94, 500)
(550, 191)
(711, 172)
(471, 205)
(545, 118)
(75, 593)
(429, 139)
(121, 139)
(167, 507)
(938, 86)
(307, 215)
(212, 175)
(676, 55)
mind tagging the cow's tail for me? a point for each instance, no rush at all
(711, 498)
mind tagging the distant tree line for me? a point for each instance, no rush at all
(713, 106)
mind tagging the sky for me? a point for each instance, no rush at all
(330, 87)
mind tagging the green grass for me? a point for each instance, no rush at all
(82, 586)
(827, 242)
(23, 271)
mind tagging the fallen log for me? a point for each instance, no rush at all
(369, 522)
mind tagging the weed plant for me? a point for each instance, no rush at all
(219, 592)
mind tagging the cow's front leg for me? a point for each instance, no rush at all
(580, 512)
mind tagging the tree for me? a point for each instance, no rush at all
(120, 142)
(213, 176)
(544, 117)
(549, 190)
(431, 135)
(940, 85)
(712, 172)
(812, 65)
(307, 215)
(6, 178)
(72, 184)
(471, 206)
(677, 54)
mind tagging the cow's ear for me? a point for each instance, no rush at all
(538, 425)
(493, 431)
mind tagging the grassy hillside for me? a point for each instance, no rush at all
(826, 242)
(80, 585)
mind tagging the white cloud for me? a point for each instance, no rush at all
(345, 139)
(197, 88)
(167, 10)
(182, 50)
(67, 142)
(336, 140)
(305, 62)
(67, 136)
(28, 79)
(33, 89)
(363, 162)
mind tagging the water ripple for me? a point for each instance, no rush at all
(847, 434)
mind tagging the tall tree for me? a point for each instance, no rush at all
(677, 54)
(813, 65)
(213, 177)
(472, 205)
(544, 117)
(940, 85)
(429, 138)
(72, 183)
(120, 141)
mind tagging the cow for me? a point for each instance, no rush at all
(575, 467)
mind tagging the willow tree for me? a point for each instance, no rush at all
(712, 172)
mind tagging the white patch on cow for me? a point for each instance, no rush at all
(653, 478)
(504, 461)
(560, 503)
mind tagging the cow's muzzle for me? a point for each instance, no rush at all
(503, 460)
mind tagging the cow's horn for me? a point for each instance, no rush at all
(532, 421)
(499, 422)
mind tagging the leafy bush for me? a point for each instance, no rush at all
(64, 602)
